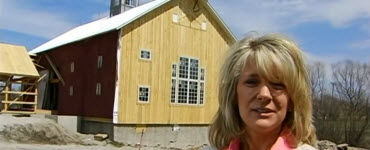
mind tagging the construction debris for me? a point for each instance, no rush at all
(101, 137)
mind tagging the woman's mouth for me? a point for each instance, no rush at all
(262, 110)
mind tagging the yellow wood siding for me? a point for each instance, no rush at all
(167, 41)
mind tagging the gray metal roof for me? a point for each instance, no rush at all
(108, 24)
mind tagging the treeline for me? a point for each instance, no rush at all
(341, 102)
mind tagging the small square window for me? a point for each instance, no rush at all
(98, 89)
(72, 66)
(145, 54)
(129, 2)
(100, 62)
(175, 18)
(204, 25)
(70, 90)
(144, 94)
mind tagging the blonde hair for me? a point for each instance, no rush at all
(277, 59)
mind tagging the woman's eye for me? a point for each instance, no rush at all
(277, 86)
(251, 82)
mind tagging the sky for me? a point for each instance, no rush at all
(327, 30)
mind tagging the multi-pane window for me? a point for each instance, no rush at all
(173, 91)
(194, 69)
(144, 94)
(129, 2)
(186, 82)
(183, 91)
(72, 67)
(145, 54)
(184, 67)
(173, 83)
(173, 70)
(201, 93)
(202, 74)
(100, 62)
(70, 90)
(98, 89)
(193, 92)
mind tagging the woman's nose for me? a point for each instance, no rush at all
(264, 93)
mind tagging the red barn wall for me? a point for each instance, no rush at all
(84, 54)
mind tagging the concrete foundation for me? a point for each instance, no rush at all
(93, 127)
(170, 136)
(72, 123)
(1, 104)
(162, 135)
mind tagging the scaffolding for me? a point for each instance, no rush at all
(19, 94)
(18, 80)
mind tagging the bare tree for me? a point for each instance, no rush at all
(317, 75)
(351, 80)
(325, 112)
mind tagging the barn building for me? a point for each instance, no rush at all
(147, 69)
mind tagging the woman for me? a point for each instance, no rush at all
(264, 98)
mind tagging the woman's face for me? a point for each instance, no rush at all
(262, 104)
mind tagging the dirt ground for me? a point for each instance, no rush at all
(17, 146)
(29, 133)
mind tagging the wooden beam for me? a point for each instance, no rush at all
(6, 96)
(19, 102)
(54, 81)
(16, 92)
(18, 82)
(23, 79)
(55, 69)
(6, 106)
(18, 112)
(97, 119)
(42, 77)
(29, 88)
(37, 65)
(40, 56)
(35, 100)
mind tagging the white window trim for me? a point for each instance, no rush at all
(72, 66)
(150, 54)
(138, 93)
(193, 80)
(204, 83)
(188, 79)
(98, 88)
(100, 61)
(176, 80)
